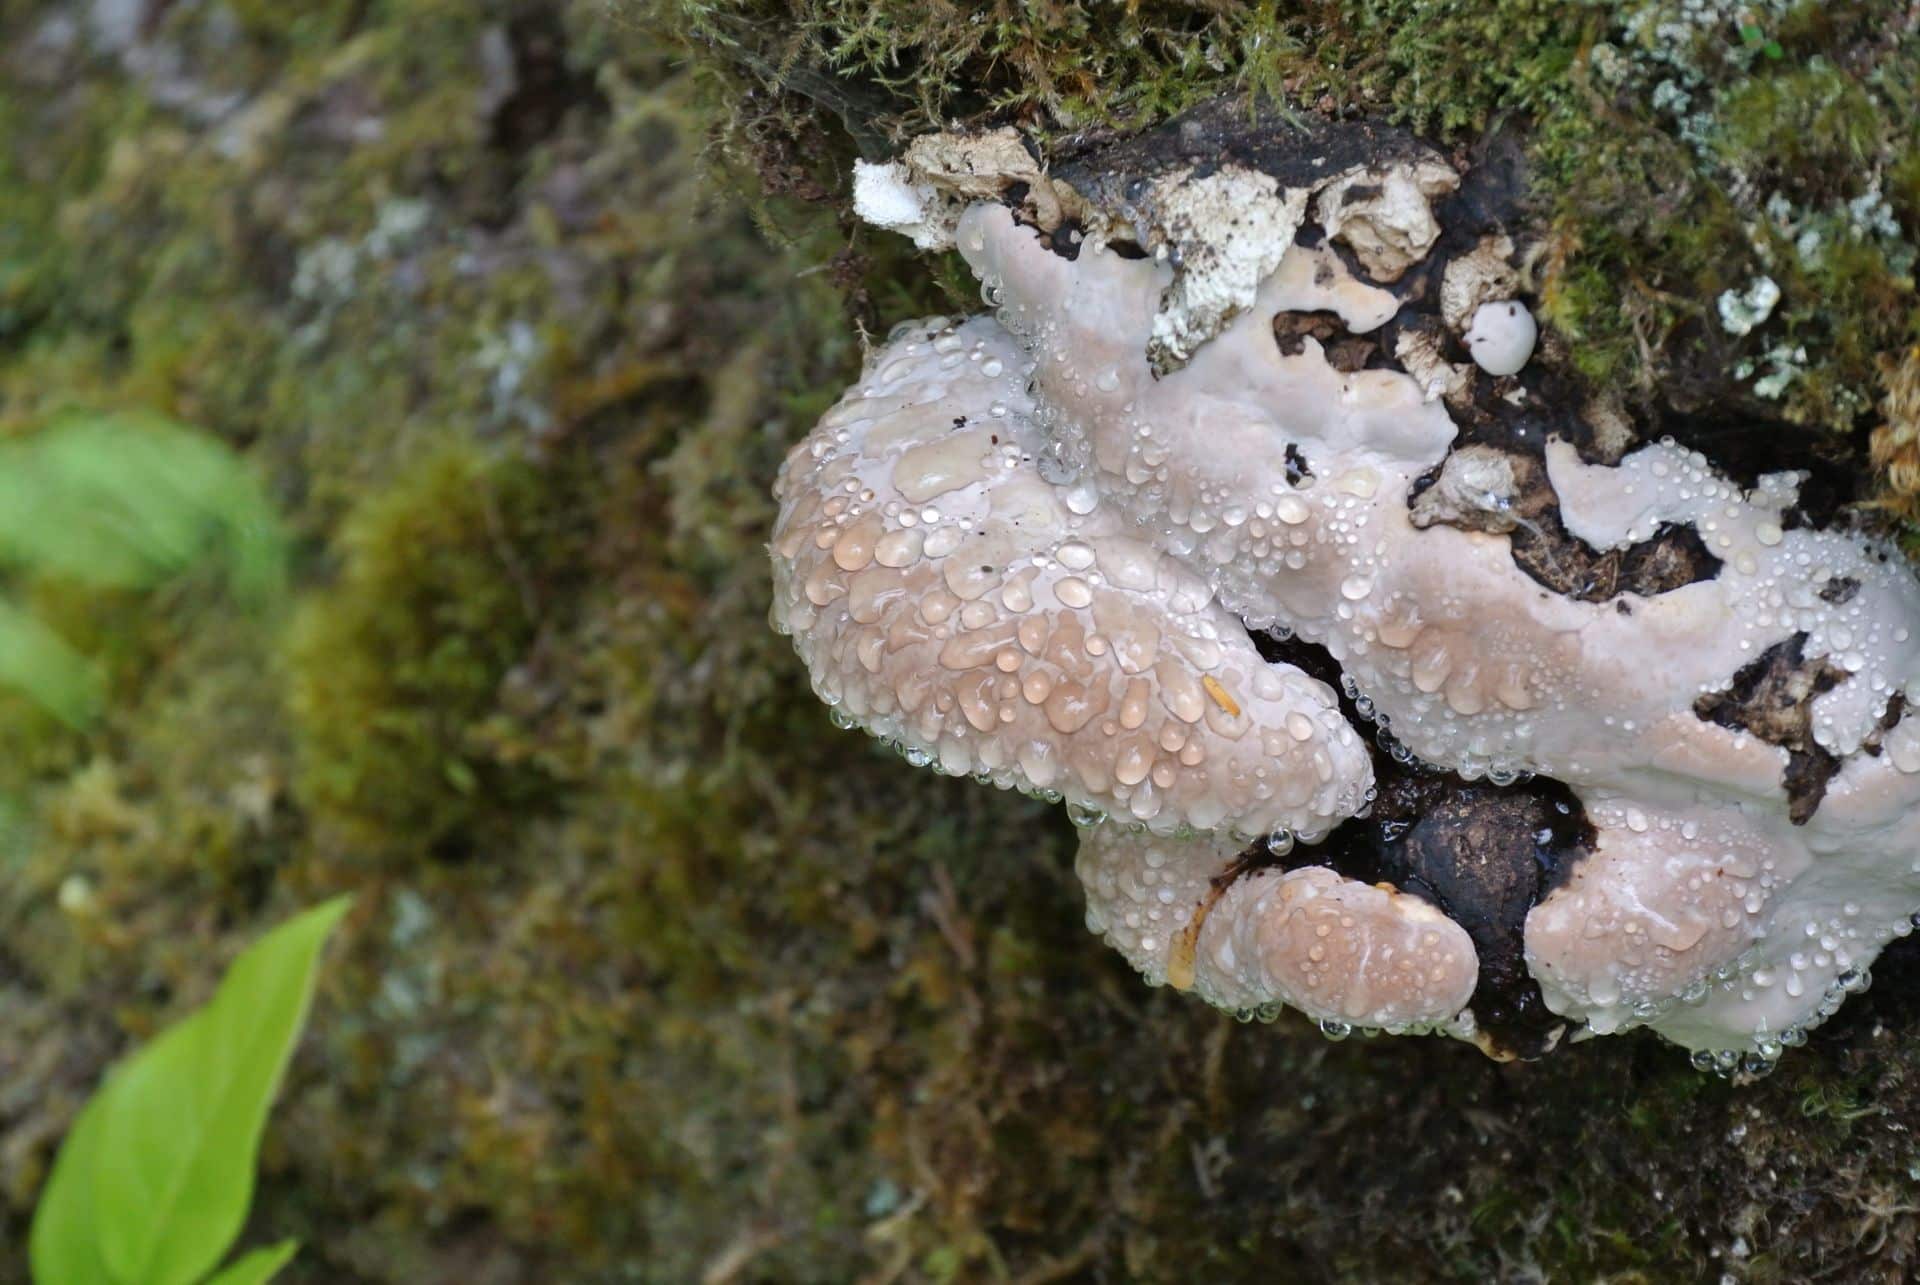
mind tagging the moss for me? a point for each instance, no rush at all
(1676, 153)
(1813, 126)
(396, 671)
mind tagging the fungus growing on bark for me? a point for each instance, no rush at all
(1343, 952)
(1050, 546)
(949, 598)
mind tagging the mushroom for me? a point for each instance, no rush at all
(1034, 503)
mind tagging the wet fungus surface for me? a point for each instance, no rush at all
(1394, 675)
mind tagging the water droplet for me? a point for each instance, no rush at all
(1084, 814)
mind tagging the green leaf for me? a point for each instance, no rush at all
(167, 1152)
(121, 501)
(63, 1246)
(126, 500)
(39, 663)
(259, 1266)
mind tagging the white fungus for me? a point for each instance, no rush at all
(888, 196)
(1334, 948)
(948, 598)
(1023, 503)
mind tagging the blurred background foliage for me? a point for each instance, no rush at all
(509, 311)
(119, 503)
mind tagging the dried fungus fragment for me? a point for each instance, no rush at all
(1385, 214)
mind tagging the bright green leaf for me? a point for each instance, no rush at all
(64, 1245)
(259, 1266)
(168, 1156)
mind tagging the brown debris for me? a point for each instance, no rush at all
(1345, 352)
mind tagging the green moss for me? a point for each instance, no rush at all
(1812, 126)
(396, 670)
(1675, 155)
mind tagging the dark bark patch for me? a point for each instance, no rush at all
(1483, 854)
(1298, 151)
(1066, 239)
(1351, 354)
(1345, 352)
(1839, 590)
(1528, 514)
(1673, 557)
(1292, 329)
(1772, 698)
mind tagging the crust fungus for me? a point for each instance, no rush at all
(1218, 486)
(948, 597)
